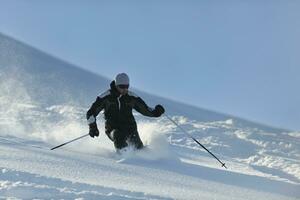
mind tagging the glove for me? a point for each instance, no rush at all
(93, 130)
(158, 110)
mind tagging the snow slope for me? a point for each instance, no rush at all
(43, 103)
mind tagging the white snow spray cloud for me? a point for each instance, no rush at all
(14, 102)
(153, 133)
(22, 117)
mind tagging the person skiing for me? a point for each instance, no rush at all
(120, 124)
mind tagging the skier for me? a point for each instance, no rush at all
(118, 102)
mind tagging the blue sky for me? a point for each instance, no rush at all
(236, 57)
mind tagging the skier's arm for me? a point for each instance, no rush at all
(143, 108)
(94, 110)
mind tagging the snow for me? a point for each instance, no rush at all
(136, 177)
(263, 162)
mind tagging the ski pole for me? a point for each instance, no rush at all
(69, 141)
(223, 164)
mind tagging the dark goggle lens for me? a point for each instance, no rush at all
(123, 86)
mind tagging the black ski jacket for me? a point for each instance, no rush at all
(118, 109)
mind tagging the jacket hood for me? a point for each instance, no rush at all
(113, 89)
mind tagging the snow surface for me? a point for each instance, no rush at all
(43, 103)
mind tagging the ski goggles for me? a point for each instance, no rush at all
(123, 86)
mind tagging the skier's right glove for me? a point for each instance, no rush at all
(93, 130)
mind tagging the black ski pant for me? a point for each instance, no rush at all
(125, 137)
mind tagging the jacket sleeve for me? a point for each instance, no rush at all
(143, 108)
(94, 110)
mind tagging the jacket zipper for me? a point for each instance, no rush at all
(119, 103)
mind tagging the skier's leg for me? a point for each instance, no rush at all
(119, 139)
(109, 131)
(135, 140)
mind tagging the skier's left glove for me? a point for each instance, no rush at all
(93, 130)
(158, 110)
